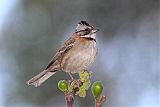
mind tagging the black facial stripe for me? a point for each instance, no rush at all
(79, 31)
(84, 32)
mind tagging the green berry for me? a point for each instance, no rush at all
(97, 88)
(63, 85)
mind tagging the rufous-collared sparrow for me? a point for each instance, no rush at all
(76, 54)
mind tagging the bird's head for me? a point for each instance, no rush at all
(85, 30)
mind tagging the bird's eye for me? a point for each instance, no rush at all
(86, 31)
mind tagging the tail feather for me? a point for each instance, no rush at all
(40, 78)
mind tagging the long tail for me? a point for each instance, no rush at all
(40, 78)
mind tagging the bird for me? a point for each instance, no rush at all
(76, 54)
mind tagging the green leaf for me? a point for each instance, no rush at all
(71, 87)
(87, 84)
(84, 75)
(97, 88)
(77, 93)
(63, 85)
(82, 92)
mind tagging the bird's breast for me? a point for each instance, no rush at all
(79, 57)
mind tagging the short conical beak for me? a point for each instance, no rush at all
(95, 30)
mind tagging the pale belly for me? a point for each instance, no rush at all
(79, 58)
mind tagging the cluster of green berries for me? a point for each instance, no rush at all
(97, 86)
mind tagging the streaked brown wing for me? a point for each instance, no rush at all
(65, 47)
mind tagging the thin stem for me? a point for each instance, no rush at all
(69, 99)
(100, 101)
(69, 96)
(98, 104)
